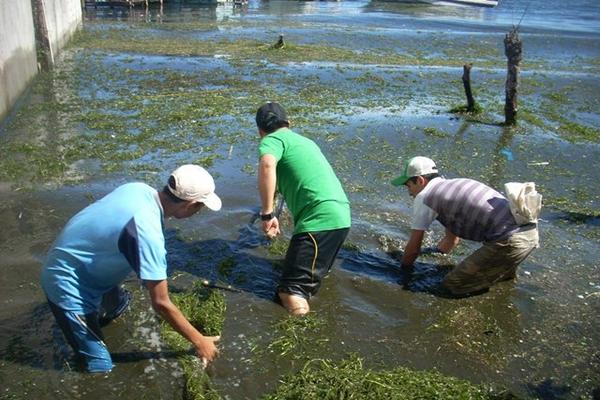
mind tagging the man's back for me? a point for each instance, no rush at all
(96, 248)
(470, 209)
(309, 185)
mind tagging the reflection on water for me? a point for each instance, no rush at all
(169, 12)
(577, 16)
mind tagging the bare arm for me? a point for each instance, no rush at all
(161, 303)
(267, 182)
(448, 242)
(413, 247)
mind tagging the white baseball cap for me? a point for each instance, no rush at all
(416, 166)
(193, 183)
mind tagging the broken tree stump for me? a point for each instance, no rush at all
(466, 78)
(513, 50)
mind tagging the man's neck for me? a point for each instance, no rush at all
(165, 204)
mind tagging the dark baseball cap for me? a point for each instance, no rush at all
(269, 116)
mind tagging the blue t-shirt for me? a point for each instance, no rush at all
(102, 244)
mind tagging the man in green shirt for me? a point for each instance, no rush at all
(295, 167)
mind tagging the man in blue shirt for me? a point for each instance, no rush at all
(105, 242)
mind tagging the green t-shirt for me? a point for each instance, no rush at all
(312, 192)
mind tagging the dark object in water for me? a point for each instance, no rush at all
(513, 49)
(280, 43)
(466, 78)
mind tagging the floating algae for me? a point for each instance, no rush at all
(474, 334)
(349, 379)
(205, 309)
(226, 266)
(295, 335)
(303, 338)
(122, 40)
(278, 246)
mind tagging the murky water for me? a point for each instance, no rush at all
(104, 117)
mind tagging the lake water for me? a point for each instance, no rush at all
(372, 83)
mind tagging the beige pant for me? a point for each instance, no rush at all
(493, 262)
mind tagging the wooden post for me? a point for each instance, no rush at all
(45, 55)
(466, 78)
(513, 50)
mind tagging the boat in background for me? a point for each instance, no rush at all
(480, 3)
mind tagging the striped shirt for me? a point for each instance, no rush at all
(469, 209)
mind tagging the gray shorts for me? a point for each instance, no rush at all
(493, 262)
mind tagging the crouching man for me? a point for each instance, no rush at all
(105, 242)
(470, 210)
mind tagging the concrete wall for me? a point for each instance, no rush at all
(18, 61)
(63, 17)
(55, 23)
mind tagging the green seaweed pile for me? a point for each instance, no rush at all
(205, 309)
(349, 379)
(123, 40)
(319, 378)
(278, 246)
(295, 336)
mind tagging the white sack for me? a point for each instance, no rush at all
(525, 203)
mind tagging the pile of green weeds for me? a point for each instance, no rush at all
(350, 379)
(205, 309)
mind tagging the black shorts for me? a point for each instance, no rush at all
(308, 260)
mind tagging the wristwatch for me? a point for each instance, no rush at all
(266, 217)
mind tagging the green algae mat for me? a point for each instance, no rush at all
(318, 379)
(350, 379)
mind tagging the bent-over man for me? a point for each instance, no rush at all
(295, 166)
(105, 242)
(470, 210)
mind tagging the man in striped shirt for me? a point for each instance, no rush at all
(470, 210)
